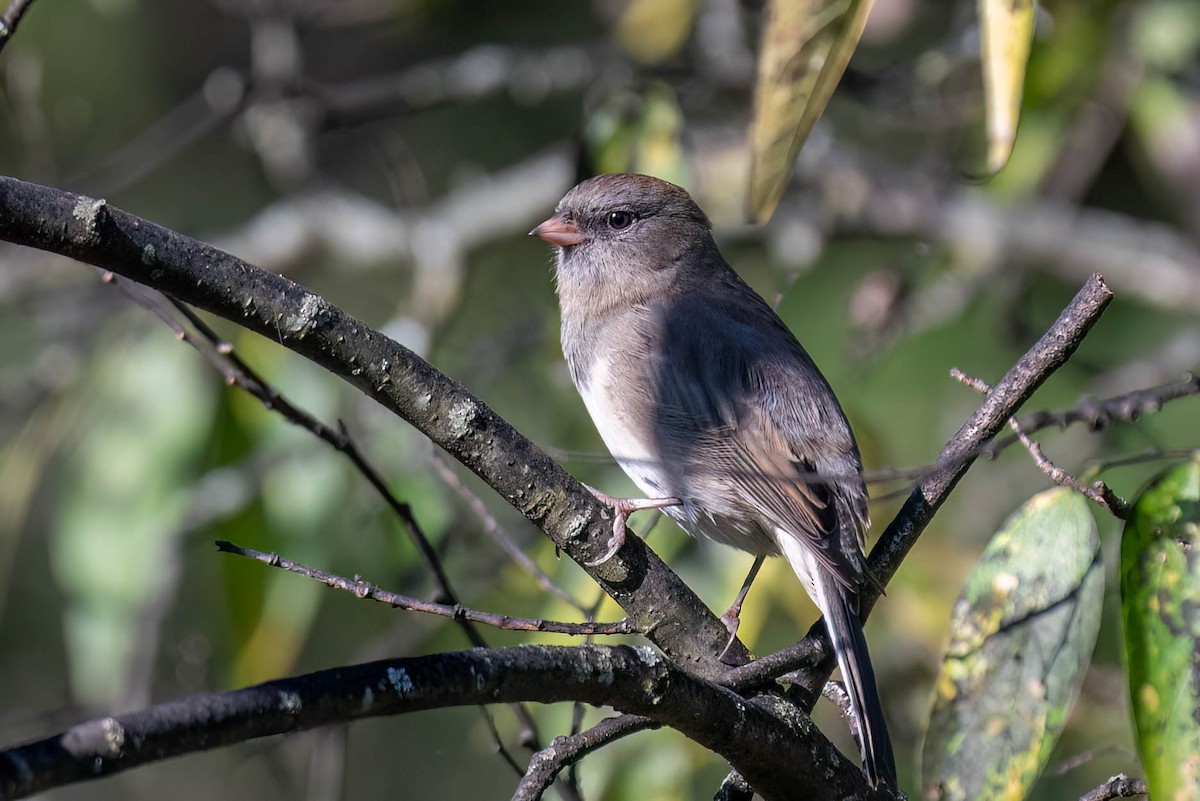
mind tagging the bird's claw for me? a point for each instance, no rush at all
(614, 545)
(622, 509)
(733, 615)
(732, 620)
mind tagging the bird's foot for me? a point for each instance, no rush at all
(622, 509)
(732, 620)
(733, 615)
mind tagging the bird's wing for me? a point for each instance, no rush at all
(733, 409)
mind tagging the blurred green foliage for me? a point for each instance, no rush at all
(123, 456)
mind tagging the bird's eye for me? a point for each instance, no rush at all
(620, 220)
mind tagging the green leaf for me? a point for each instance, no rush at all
(806, 47)
(1007, 27)
(1160, 601)
(1021, 639)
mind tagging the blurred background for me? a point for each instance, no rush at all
(391, 155)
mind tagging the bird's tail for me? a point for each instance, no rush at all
(854, 662)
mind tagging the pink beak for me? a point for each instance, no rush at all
(558, 231)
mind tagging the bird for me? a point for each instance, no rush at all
(713, 408)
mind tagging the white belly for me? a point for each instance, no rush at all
(634, 447)
(629, 441)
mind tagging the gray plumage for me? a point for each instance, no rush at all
(700, 392)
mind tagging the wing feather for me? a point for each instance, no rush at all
(739, 420)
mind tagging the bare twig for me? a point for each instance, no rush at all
(1098, 492)
(237, 372)
(11, 18)
(1152, 455)
(578, 709)
(1099, 414)
(493, 529)
(605, 732)
(365, 589)
(244, 376)
(1128, 407)
(1085, 757)
(565, 751)
(835, 691)
(194, 118)
(498, 746)
(1119, 786)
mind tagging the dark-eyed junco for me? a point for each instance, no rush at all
(712, 407)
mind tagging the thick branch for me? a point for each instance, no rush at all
(635, 680)
(90, 230)
(569, 749)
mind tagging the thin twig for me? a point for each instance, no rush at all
(11, 18)
(835, 691)
(498, 534)
(365, 589)
(1119, 786)
(1098, 492)
(143, 297)
(1099, 414)
(1079, 760)
(245, 377)
(498, 746)
(578, 709)
(1152, 455)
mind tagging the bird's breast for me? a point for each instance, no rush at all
(622, 412)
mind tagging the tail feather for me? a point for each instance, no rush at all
(854, 662)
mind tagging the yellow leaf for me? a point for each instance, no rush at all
(1007, 27)
(654, 30)
(806, 47)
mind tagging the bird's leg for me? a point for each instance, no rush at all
(622, 509)
(733, 615)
